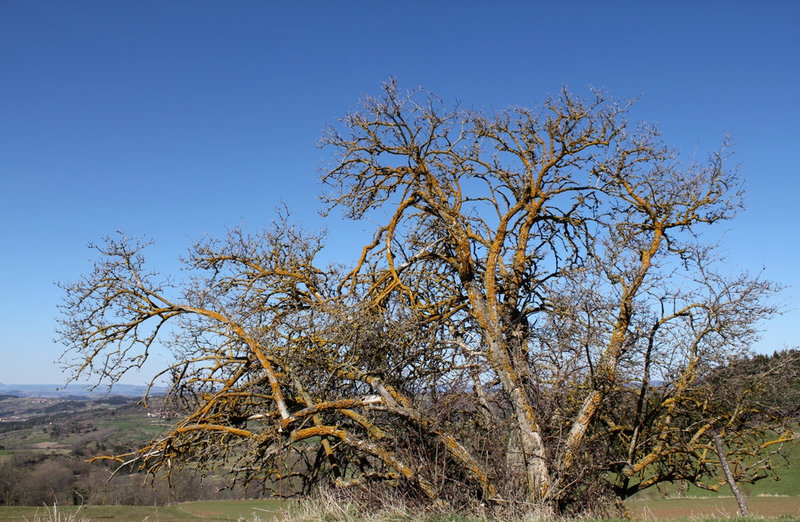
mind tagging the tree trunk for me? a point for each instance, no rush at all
(531, 443)
(723, 460)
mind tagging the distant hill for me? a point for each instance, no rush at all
(76, 390)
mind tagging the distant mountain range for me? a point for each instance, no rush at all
(77, 390)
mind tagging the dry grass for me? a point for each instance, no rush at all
(53, 514)
(336, 506)
(375, 506)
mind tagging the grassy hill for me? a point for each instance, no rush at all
(785, 482)
(48, 439)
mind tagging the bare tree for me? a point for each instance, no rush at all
(537, 313)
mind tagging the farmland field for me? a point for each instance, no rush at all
(58, 426)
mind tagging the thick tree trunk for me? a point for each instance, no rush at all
(531, 443)
(723, 460)
(533, 450)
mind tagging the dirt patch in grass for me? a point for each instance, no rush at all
(47, 445)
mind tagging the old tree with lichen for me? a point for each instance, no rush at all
(536, 318)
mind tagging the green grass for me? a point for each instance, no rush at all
(208, 510)
(787, 482)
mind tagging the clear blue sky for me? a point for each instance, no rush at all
(176, 119)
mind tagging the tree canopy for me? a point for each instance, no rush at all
(537, 317)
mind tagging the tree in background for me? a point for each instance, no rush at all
(536, 318)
